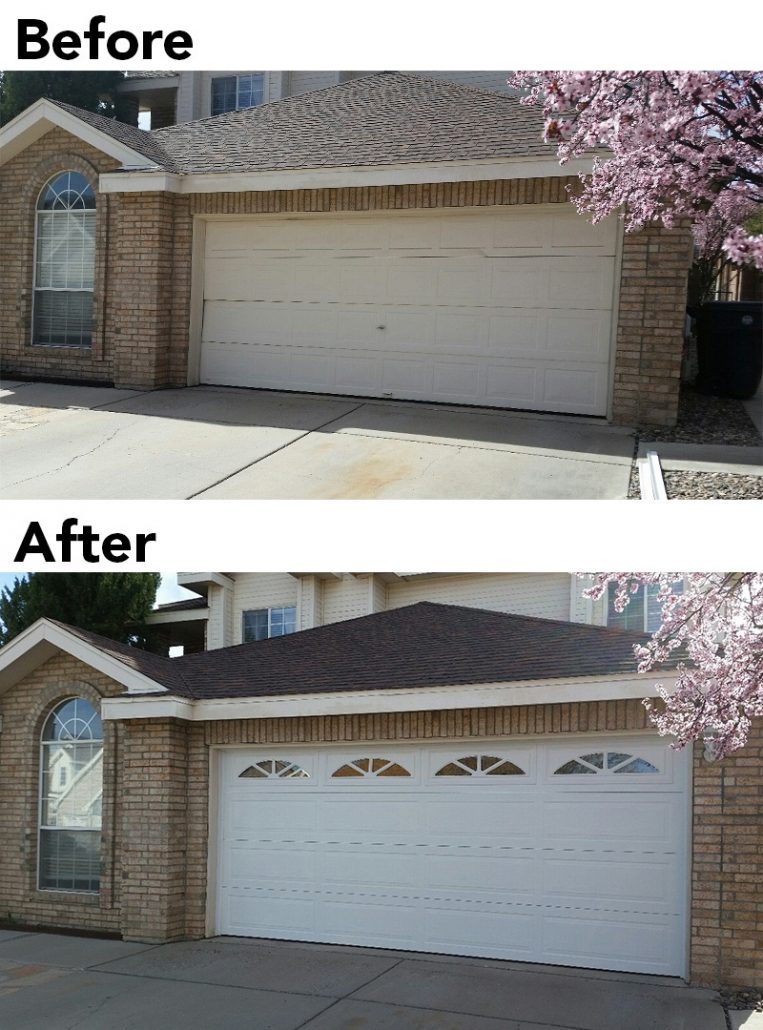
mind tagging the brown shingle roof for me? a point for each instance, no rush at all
(422, 645)
(187, 604)
(131, 136)
(379, 119)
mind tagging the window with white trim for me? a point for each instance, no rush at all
(71, 791)
(262, 623)
(643, 613)
(234, 92)
(480, 765)
(371, 767)
(64, 268)
(274, 769)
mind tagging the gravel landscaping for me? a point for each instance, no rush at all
(705, 420)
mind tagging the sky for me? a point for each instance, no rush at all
(168, 590)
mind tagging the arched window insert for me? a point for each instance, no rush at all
(64, 263)
(71, 791)
(371, 767)
(274, 768)
(480, 765)
(598, 762)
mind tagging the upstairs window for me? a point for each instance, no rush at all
(642, 614)
(71, 791)
(234, 92)
(262, 623)
(64, 268)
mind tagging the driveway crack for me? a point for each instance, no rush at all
(71, 461)
(282, 447)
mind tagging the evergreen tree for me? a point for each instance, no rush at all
(93, 91)
(114, 604)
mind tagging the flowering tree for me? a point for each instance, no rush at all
(682, 144)
(717, 622)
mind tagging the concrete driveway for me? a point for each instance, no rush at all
(59, 982)
(69, 442)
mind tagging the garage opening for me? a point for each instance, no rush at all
(501, 306)
(569, 853)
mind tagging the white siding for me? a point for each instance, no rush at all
(254, 590)
(303, 82)
(346, 598)
(482, 80)
(220, 623)
(544, 595)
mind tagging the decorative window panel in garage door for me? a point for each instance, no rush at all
(491, 849)
(504, 306)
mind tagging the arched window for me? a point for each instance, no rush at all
(371, 767)
(274, 769)
(64, 269)
(600, 762)
(480, 765)
(71, 789)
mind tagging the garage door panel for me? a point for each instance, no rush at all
(611, 943)
(573, 878)
(589, 874)
(454, 381)
(530, 283)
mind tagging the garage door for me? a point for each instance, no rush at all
(567, 854)
(500, 306)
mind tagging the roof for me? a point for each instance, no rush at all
(131, 136)
(187, 604)
(380, 119)
(384, 118)
(421, 645)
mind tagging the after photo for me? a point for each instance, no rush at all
(394, 800)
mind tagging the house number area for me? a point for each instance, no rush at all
(121, 45)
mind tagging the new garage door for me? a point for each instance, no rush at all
(570, 854)
(500, 306)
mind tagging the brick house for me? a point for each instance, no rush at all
(391, 236)
(416, 762)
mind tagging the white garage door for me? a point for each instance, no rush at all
(572, 854)
(500, 306)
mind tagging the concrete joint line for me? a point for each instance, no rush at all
(263, 457)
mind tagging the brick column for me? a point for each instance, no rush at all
(655, 268)
(142, 287)
(154, 829)
(727, 898)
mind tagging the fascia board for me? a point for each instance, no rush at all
(160, 618)
(27, 127)
(43, 640)
(478, 695)
(335, 178)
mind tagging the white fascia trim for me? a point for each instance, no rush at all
(191, 615)
(328, 178)
(142, 85)
(42, 640)
(27, 127)
(199, 581)
(363, 702)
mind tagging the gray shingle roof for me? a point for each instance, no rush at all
(422, 645)
(131, 136)
(380, 119)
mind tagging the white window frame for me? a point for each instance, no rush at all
(645, 588)
(269, 610)
(42, 745)
(45, 289)
(238, 76)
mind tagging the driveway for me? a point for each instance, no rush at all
(72, 442)
(59, 982)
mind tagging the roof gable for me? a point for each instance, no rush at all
(133, 147)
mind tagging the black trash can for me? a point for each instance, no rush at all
(730, 348)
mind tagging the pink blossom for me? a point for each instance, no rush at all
(716, 623)
(672, 145)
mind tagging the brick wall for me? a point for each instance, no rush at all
(156, 812)
(649, 346)
(143, 292)
(727, 881)
(24, 710)
(21, 180)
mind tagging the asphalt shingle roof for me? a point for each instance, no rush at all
(380, 119)
(131, 136)
(418, 646)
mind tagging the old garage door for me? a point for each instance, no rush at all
(482, 849)
(507, 306)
